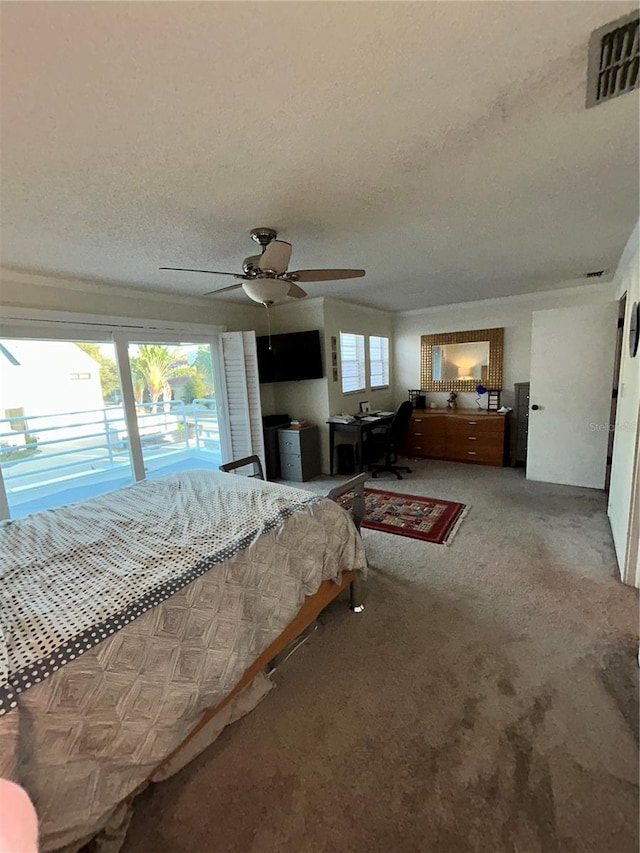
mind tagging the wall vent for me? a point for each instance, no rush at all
(594, 274)
(614, 54)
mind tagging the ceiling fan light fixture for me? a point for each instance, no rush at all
(266, 277)
(268, 291)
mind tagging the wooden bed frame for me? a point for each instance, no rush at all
(312, 606)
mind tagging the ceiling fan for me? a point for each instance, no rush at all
(265, 278)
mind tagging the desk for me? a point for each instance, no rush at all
(360, 428)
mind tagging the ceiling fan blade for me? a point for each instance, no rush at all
(276, 257)
(324, 275)
(295, 291)
(222, 289)
(211, 272)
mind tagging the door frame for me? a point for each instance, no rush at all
(631, 568)
(615, 387)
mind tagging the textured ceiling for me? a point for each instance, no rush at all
(445, 146)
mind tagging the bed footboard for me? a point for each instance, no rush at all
(356, 506)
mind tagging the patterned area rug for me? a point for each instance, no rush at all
(429, 519)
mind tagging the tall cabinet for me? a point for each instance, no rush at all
(520, 422)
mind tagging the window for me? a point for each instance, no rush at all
(72, 430)
(352, 362)
(378, 362)
(60, 440)
(176, 407)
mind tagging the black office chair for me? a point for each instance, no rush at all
(385, 444)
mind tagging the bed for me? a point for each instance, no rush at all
(133, 626)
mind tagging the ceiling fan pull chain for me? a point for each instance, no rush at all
(266, 305)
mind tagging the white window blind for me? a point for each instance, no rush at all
(378, 362)
(242, 391)
(352, 362)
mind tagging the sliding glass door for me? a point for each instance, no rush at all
(175, 406)
(80, 418)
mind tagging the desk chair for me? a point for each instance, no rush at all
(386, 443)
(242, 463)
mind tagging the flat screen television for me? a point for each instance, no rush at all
(290, 358)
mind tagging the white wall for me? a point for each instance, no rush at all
(24, 290)
(514, 313)
(343, 316)
(626, 431)
(308, 398)
(316, 399)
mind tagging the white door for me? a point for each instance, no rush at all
(572, 354)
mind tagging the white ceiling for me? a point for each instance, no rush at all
(443, 146)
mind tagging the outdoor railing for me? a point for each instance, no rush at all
(60, 445)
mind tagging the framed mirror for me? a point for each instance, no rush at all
(458, 361)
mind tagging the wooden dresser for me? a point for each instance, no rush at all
(459, 435)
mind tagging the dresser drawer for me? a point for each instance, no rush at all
(288, 441)
(417, 445)
(414, 446)
(291, 467)
(427, 436)
(298, 440)
(477, 453)
(460, 443)
(475, 426)
(483, 456)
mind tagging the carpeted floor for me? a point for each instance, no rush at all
(486, 700)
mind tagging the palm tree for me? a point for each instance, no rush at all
(155, 364)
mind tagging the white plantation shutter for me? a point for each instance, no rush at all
(242, 392)
(352, 362)
(378, 361)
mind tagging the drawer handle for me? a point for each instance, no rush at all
(471, 453)
(417, 433)
(472, 422)
(472, 437)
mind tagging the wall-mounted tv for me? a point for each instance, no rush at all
(289, 358)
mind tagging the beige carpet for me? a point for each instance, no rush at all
(485, 701)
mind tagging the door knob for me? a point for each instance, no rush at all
(535, 407)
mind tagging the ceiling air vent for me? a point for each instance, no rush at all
(614, 53)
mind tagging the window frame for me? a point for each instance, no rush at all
(386, 364)
(101, 330)
(361, 366)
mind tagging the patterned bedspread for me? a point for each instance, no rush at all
(126, 616)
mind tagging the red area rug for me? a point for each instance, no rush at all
(429, 519)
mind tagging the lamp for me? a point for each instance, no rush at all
(463, 374)
(267, 291)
